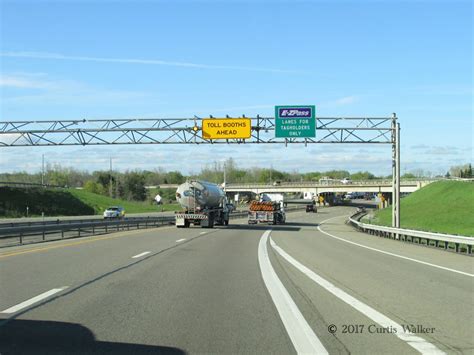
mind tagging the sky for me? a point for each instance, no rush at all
(142, 59)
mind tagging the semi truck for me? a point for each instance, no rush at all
(204, 204)
(271, 212)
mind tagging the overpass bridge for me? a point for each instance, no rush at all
(384, 186)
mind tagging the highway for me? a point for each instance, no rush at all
(314, 285)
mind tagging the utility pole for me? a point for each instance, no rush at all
(110, 178)
(42, 171)
(225, 177)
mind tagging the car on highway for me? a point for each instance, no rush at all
(346, 181)
(311, 208)
(114, 212)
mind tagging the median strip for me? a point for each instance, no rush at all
(33, 300)
(414, 341)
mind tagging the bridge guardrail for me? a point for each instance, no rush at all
(317, 184)
(412, 235)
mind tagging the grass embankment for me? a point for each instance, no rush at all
(100, 203)
(443, 207)
(71, 202)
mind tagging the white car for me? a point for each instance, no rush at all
(346, 181)
(114, 212)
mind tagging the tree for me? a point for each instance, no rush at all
(94, 187)
(362, 175)
(134, 186)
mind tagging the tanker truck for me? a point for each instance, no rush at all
(203, 204)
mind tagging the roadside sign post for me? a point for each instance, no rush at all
(295, 121)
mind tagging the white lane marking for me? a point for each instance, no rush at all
(302, 336)
(203, 233)
(33, 300)
(393, 254)
(141, 254)
(180, 240)
(414, 341)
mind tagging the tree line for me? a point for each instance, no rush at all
(130, 185)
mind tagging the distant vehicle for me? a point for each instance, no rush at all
(368, 196)
(311, 208)
(346, 181)
(277, 183)
(114, 212)
(354, 195)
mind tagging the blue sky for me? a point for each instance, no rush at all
(119, 59)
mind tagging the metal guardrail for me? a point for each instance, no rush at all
(76, 228)
(414, 236)
(41, 231)
(30, 184)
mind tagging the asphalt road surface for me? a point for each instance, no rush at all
(314, 285)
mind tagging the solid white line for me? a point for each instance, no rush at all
(140, 255)
(414, 341)
(180, 240)
(203, 233)
(392, 254)
(302, 336)
(36, 299)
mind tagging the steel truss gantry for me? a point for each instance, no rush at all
(182, 131)
(348, 130)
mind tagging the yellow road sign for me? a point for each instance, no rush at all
(226, 128)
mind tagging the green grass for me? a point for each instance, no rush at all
(71, 202)
(53, 202)
(443, 207)
(99, 203)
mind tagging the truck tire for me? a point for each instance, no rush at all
(210, 222)
(186, 225)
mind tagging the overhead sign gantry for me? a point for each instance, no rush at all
(196, 130)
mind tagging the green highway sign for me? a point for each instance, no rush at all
(295, 121)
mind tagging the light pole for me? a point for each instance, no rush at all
(110, 177)
(42, 170)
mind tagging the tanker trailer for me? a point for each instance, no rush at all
(203, 204)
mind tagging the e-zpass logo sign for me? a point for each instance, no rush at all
(294, 112)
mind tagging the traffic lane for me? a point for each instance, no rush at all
(29, 271)
(204, 296)
(406, 292)
(323, 311)
(338, 228)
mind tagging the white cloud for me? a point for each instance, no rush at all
(57, 56)
(23, 82)
(55, 92)
(346, 100)
(342, 101)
